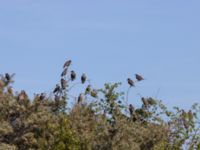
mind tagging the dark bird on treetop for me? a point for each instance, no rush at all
(73, 75)
(88, 89)
(7, 76)
(183, 113)
(64, 73)
(57, 89)
(83, 78)
(80, 98)
(190, 115)
(139, 77)
(22, 95)
(67, 63)
(145, 102)
(94, 93)
(130, 82)
(63, 83)
(42, 96)
(131, 109)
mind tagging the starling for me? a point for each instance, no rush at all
(139, 77)
(145, 102)
(73, 75)
(130, 82)
(88, 89)
(190, 115)
(131, 109)
(93, 93)
(183, 113)
(67, 63)
(63, 83)
(80, 98)
(57, 89)
(42, 96)
(64, 73)
(151, 101)
(22, 95)
(8, 77)
(83, 78)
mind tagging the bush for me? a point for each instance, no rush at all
(99, 119)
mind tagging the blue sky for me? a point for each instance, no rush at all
(109, 40)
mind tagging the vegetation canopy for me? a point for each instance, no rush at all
(99, 119)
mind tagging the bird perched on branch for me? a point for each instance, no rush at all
(80, 98)
(22, 96)
(131, 109)
(42, 96)
(67, 63)
(145, 102)
(64, 73)
(130, 82)
(139, 77)
(8, 77)
(63, 83)
(57, 89)
(94, 93)
(183, 113)
(83, 78)
(190, 115)
(88, 89)
(73, 75)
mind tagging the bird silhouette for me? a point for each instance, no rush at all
(42, 96)
(190, 115)
(57, 89)
(64, 73)
(22, 95)
(67, 63)
(83, 78)
(73, 75)
(145, 102)
(183, 113)
(130, 82)
(80, 98)
(63, 83)
(131, 109)
(88, 89)
(8, 77)
(139, 77)
(94, 93)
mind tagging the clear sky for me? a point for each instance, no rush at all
(109, 40)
